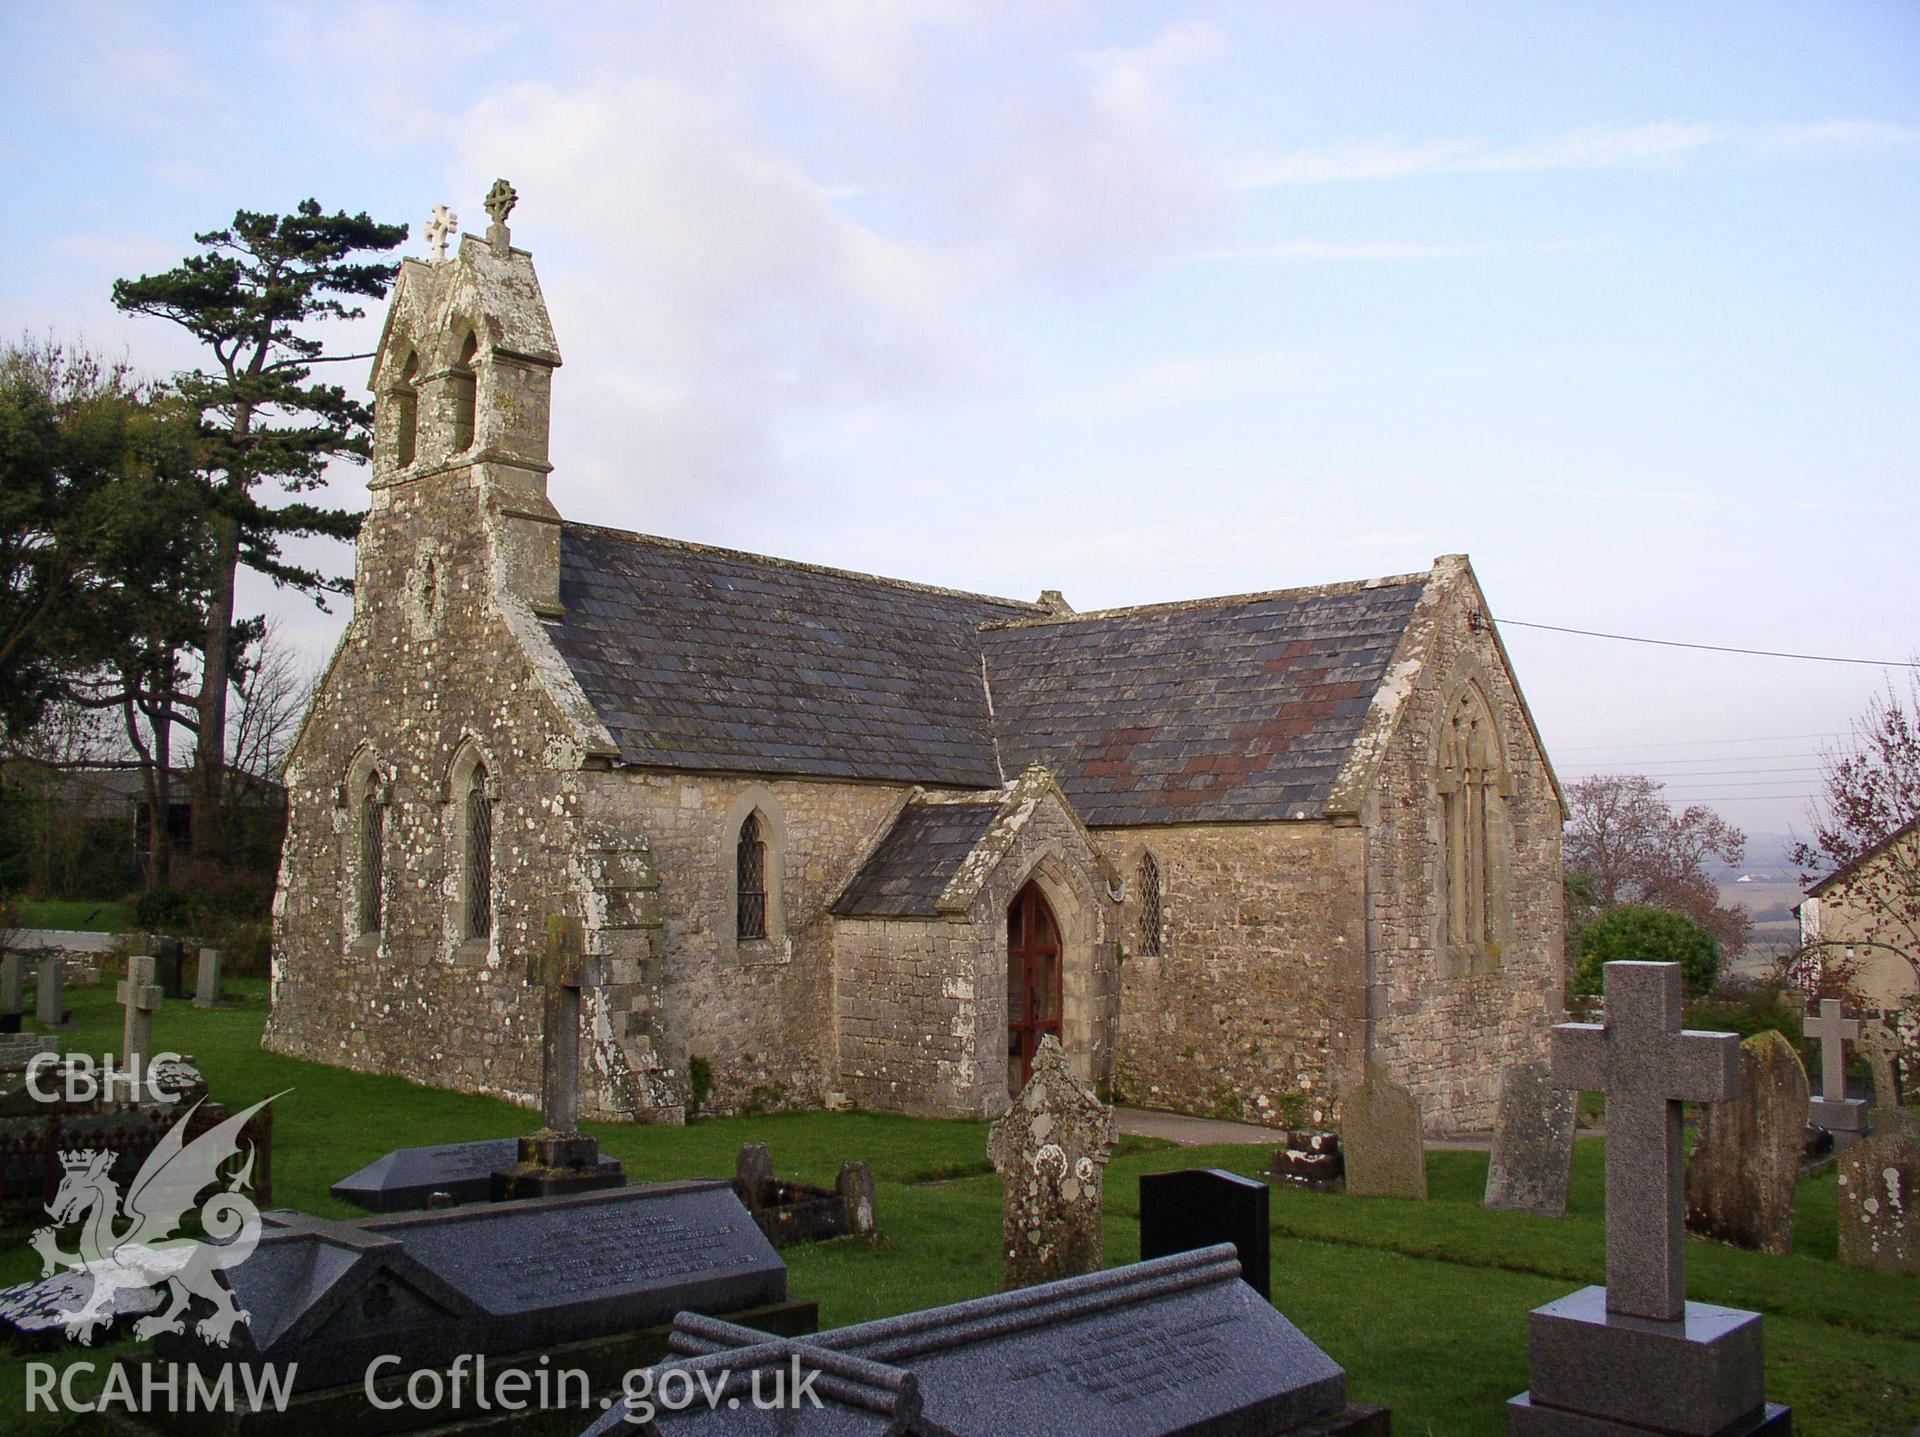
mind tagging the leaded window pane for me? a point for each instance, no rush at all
(750, 920)
(479, 858)
(373, 856)
(1150, 907)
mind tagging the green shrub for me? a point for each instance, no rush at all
(1635, 932)
(699, 1084)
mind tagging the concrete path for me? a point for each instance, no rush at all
(1213, 1132)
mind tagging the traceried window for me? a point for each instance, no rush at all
(373, 852)
(478, 884)
(1471, 783)
(406, 409)
(750, 863)
(1151, 914)
(466, 395)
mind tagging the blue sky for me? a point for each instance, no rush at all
(1137, 302)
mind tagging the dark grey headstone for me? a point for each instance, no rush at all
(428, 1287)
(1175, 1347)
(1200, 1207)
(169, 957)
(404, 1179)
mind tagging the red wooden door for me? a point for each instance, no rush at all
(1033, 980)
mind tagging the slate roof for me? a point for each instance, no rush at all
(905, 876)
(1221, 710)
(700, 658)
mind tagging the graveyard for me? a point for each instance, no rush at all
(1424, 1303)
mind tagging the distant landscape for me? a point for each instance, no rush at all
(1768, 885)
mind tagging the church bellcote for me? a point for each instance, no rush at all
(463, 389)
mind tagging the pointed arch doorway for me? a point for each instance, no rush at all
(1033, 980)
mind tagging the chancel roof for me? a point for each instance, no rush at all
(1220, 710)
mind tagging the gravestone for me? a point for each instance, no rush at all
(206, 991)
(12, 991)
(1050, 1148)
(1879, 1191)
(140, 996)
(17, 1053)
(855, 1187)
(1880, 1048)
(1174, 1347)
(1380, 1137)
(1844, 1117)
(326, 1298)
(1311, 1159)
(1635, 1355)
(50, 993)
(405, 1179)
(753, 1171)
(1746, 1159)
(1203, 1207)
(35, 1314)
(559, 1158)
(1532, 1160)
(170, 956)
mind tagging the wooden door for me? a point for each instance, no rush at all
(1033, 980)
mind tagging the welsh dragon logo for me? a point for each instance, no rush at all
(149, 1251)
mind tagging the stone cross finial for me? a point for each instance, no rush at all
(1647, 1066)
(440, 224)
(1834, 1030)
(561, 970)
(499, 204)
(140, 996)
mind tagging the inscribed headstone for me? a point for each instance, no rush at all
(1050, 1148)
(1746, 1159)
(1532, 1159)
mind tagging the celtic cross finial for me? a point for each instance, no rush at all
(442, 223)
(500, 201)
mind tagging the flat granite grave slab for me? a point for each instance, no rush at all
(1175, 1347)
(405, 1178)
(429, 1287)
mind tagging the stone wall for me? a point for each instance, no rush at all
(1448, 1025)
(1258, 988)
(431, 668)
(759, 1015)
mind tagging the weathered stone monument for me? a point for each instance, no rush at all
(1746, 1159)
(753, 1174)
(1844, 1117)
(12, 991)
(1175, 1347)
(559, 1158)
(1050, 1148)
(50, 993)
(1881, 1048)
(1532, 1160)
(1380, 1135)
(1203, 1207)
(206, 988)
(141, 997)
(1310, 1159)
(855, 1187)
(1635, 1355)
(1879, 1192)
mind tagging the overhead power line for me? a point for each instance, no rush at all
(1713, 648)
(1697, 743)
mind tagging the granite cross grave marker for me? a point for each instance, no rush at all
(1833, 1110)
(140, 996)
(1636, 1356)
(559, 1158)
(1201, 1207)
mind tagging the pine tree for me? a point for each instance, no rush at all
(262, 416)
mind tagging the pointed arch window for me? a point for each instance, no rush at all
(477, 880)
(465, 385)
(1152, 914)
(1471, 782)
(750, 867)
(373, 852)
(406, 409)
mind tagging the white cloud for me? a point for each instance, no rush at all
(1613, 146)
(1335, 252)
(1621, 494)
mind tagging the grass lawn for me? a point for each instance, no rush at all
(76, 915)
(1425, 1304)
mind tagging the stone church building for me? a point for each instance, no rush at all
(844, 840)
